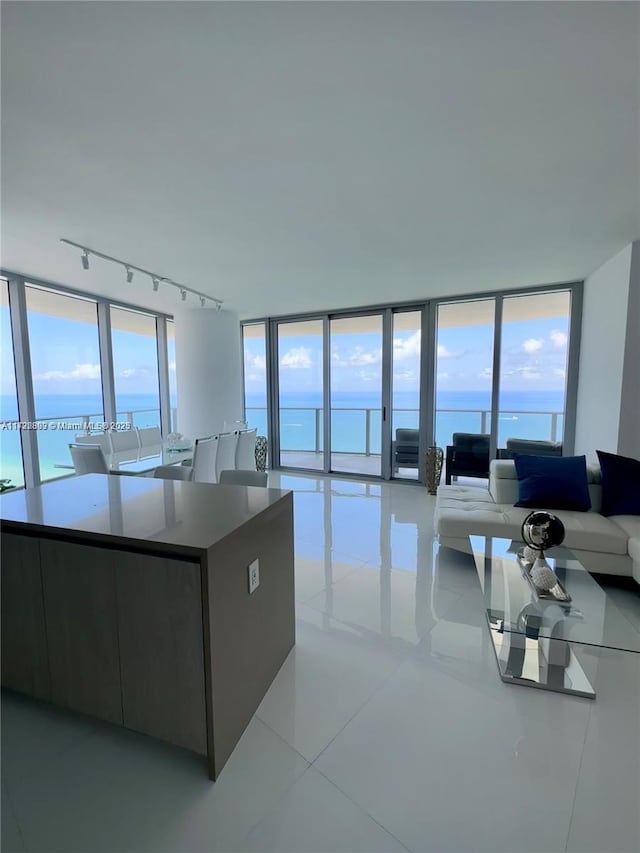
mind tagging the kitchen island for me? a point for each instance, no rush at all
(134, 600)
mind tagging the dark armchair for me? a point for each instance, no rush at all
(468, 456)
(404, 450)
(531, 447)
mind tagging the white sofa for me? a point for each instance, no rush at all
(604, 545)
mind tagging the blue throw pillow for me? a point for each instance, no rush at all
(620, 484)
(552, 482)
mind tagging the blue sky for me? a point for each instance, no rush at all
(534, 354)
(65, 357)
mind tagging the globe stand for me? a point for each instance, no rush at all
(542, 574)
(540, 563)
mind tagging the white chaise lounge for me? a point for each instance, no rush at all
(603, 545)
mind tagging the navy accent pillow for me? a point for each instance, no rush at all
(552, 482)
(620, 484)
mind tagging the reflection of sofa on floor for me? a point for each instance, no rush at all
(604, 545)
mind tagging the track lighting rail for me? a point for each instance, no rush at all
(156, 278)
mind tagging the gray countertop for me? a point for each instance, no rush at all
(183, 517)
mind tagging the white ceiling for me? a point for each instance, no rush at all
(297, 156)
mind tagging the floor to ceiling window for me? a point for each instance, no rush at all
(55, 387)
(173, 382)
(389, 382)
(300, 394)
(254, 347)
(66, 372)
(356, 394)
(135, 367)
(464, 368)
(405, 393)
(11, 468)
(533, 366)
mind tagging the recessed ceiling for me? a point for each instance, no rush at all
(290, 157)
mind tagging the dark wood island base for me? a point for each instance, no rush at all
(128, 599)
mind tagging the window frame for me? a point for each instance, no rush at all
(427, 406)
(17, 284)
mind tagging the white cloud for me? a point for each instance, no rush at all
(172, 366)
(558, 338)
(298, 358)
(528, 372)
(79, 372)
(361, 357)
(368, 375)
(404, 373)
(559, 371)
(442, 376)
(531, 375)
(254, 362)
(405, 348)
(532, 344)
(443, 352)
(130, 372)
(486, 373)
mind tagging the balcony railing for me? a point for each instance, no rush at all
(56, 433)
(357, 430)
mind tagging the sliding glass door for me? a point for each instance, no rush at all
(405, 394)
(300, 362)
(356, 409)
(367, 392)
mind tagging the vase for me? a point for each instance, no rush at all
(261, 453)
(435, 459)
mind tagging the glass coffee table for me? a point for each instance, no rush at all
(531, 636)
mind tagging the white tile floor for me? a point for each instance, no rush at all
(386, 729)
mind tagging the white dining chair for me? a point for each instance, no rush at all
(174, 472)
(246, 450)
(226, 458)
(125, 439)
(149, 435)
(205, 452)
(88, 459)
(243, 478)
(101, 438)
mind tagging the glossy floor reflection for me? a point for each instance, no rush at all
(386, 729)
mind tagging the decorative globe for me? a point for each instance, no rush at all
(541, 530)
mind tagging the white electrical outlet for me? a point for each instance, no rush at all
(254, 576)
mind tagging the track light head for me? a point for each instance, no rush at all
(85, 259)
(183, 295)
(218, 306)
(129, 274)
(156, 283)
(202, 301)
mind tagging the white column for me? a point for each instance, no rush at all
(208, 370)
(629, 427)
(602, 356)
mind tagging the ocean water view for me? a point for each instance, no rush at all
(522, 415)
(142, 409)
